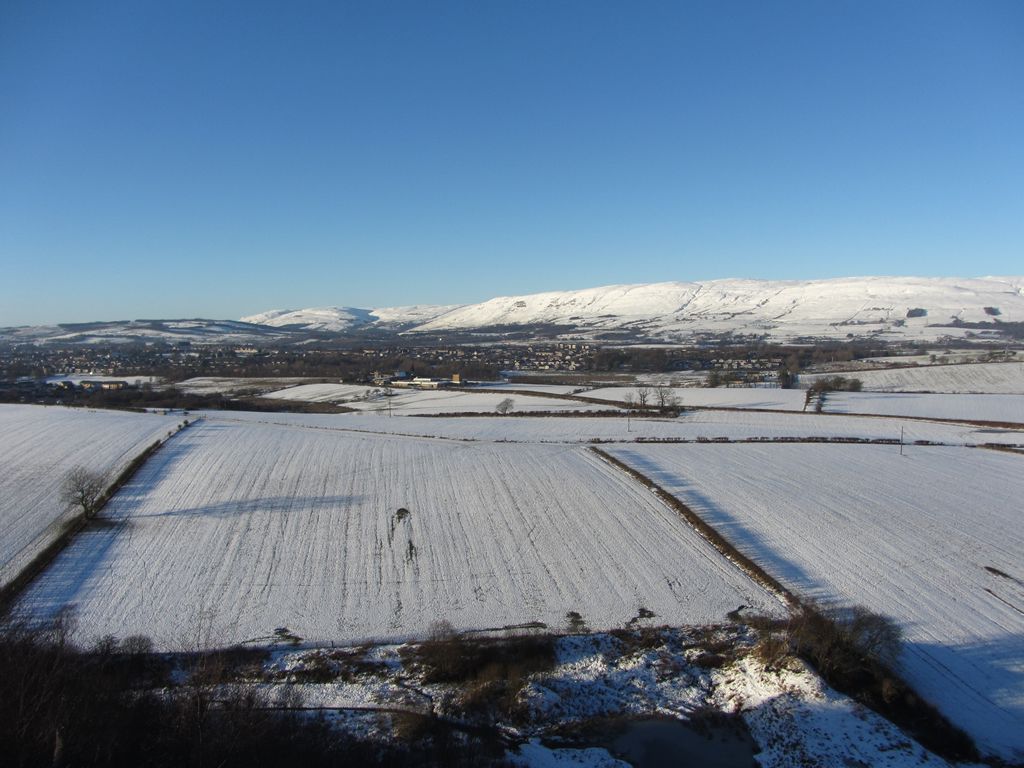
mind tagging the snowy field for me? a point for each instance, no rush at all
(691, 425)
(38, 445)
(426, 402)
(989, 378)
(526, 385)
(322, 393)
(78, 378)
(226, 385)
(766, 398)
(999, 408)
(934, 539)
(234, 529)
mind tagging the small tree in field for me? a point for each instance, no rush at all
(83, 489)
(667, 400)
(505, 406)
(643, 395)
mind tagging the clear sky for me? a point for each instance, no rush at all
(216, 159)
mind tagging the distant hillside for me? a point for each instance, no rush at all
(891, 308)
(884, 309)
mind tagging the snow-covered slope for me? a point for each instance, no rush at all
(414, 314)
(246, 527)
(920, 309)
(38, 446)
(134, 331)
(337, 319)
(332, 319)
(926, 539)
(893, 306)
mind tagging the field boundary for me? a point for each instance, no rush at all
(652, 410)
(708, 533)
(70, 528)
(919, 717)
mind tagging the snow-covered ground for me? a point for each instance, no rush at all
(78, 378)
(322, 393)
(989, 378)
(402, 402)
(889, 307)
(793, 716)
(236, 528)
(765, 398)
(999, 408)
(945, 356)
(691, 425)
(227, 385)
(423, 402)
(38, 446)
(526, 385)
(934, 538)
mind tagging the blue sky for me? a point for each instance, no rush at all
(215, 159)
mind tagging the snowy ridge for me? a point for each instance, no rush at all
(919, 309)
(336, 319)
(900, 306)
(318, 319)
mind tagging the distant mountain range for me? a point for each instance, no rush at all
(885, 308)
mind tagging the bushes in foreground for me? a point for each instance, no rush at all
(854, 650)
(63, 706)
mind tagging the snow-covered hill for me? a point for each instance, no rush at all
(337, 319)
(923, 309)
(892, 307)
(134, 331)
(331, 319)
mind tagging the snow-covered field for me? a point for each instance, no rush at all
(989, 378)
(234, 529)
(424, 402)
(404, 402)
(766, 398)
(227, 385)
(794, 718)
(691, 425)
(971, 407)
(526, 385)
(247, 522)
(999, 408)
(322, 393)
(38, 445)
(934, 539)
(78, 378)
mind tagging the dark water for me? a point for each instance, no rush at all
(658, 742)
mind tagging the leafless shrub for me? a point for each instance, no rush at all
(575, 624)
(82, 490)
(643, 396)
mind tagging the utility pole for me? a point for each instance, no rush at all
(901, 439)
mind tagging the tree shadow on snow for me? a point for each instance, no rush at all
(273, 504)
(745, 539)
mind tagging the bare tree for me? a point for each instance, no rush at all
(629, 400)
(667, 400)
(505, 406)
(82, 489)
(643, 395)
